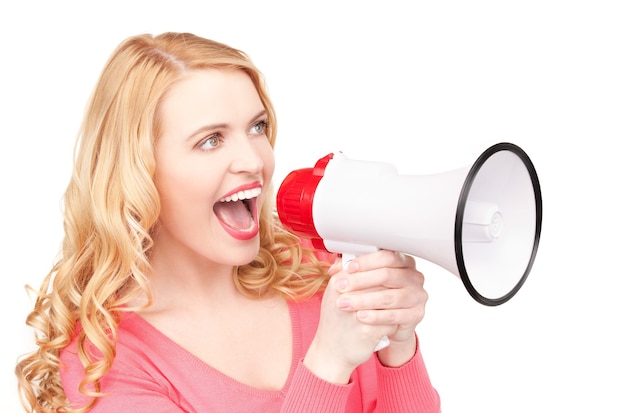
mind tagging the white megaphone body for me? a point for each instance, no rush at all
(481, 223)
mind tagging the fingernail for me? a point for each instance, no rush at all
(343, 303)
(341, 284)
(352, 266)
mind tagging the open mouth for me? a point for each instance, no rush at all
(237, 213)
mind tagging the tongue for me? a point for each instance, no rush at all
(233, 214)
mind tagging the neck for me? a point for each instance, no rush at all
(178, 281)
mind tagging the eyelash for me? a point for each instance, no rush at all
(214, 137)
(263, 124)
(220, 139)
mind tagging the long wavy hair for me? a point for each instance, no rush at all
(111, 206)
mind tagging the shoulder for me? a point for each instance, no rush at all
(135, 365)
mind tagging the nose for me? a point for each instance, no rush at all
(247, 157)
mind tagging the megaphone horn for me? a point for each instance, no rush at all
(481, 222)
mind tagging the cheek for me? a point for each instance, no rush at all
(182, 191)
(269, 163)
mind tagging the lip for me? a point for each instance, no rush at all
(251, 185)
(245, 235)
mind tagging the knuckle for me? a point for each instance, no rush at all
(388, 257)
(420, 315)
(391, 317)
(410, 260)
(387, 299)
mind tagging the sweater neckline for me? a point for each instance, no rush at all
(145, 328)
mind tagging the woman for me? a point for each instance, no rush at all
(177, 289)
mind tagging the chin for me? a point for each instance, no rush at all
(244, 254)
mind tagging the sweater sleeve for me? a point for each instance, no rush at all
(406, 389)
(309, 393)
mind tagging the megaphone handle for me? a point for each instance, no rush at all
(345, 260)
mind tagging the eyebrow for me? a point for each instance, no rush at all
(214, 126)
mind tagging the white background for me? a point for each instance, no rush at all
(427, 87)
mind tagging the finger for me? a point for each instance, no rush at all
(381, 299)
(380, 259)
(379, 278)
(402, 318)
(335, 267)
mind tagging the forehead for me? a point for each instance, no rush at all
(210, 96)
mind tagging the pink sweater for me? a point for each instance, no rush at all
(153, 374)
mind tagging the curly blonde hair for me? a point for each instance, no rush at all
(112, 206)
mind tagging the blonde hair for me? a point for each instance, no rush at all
(111, 207)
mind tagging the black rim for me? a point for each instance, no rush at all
(458, 225)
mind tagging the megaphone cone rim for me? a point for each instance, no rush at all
(458, 226)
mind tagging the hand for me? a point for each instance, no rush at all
(385, 289)
(378, 294)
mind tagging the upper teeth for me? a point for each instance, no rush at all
(247, 194)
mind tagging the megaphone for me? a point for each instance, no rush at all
(481, 222)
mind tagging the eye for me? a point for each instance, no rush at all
(211, 142)
(259, 128)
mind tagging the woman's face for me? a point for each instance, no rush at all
(213, 165)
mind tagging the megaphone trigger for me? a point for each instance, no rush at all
(346, 259)
(384, 342)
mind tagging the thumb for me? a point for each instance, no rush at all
(335, 267)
